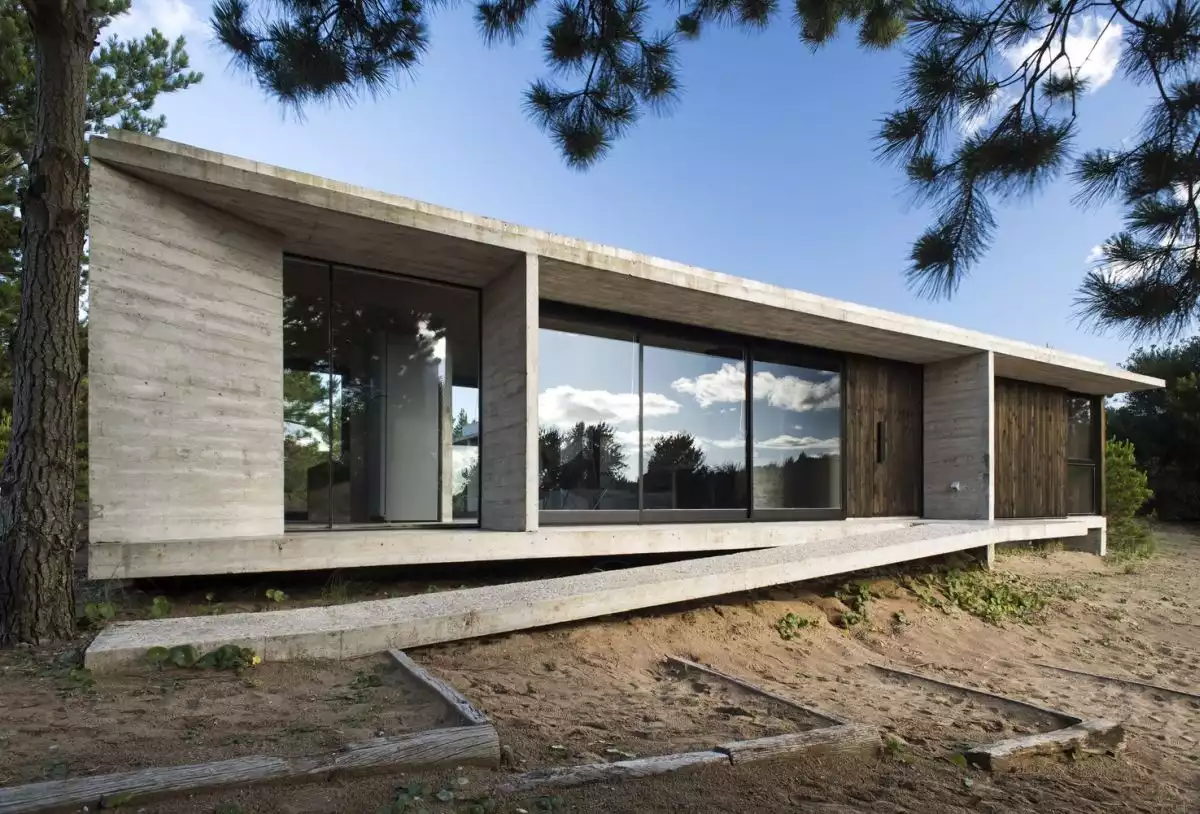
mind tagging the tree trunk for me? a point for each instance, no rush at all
(37, 485)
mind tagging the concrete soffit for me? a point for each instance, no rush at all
(344, 223)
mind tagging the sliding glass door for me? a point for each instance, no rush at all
(381, 398)
(642, 421)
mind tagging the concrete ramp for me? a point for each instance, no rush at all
(361, 628)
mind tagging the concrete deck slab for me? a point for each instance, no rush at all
(346, 631)
(353, 548)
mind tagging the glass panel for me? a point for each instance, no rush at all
(405, 400)
(694, 440)
(306, 438)
(588, 416)
(1081, 429)
(1081, 489)
(797, 436)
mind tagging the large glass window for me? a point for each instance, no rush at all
(1083, 453)
(645, 421)
(694, 426)
(306, 393)
(588, 410)
(797, 435)
(392, 397)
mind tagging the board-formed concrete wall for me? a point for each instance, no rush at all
(185, 380)
(958, 438)
(508, 457)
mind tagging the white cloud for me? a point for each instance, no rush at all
(174, 18)
(1121, 272)
(565, 406)
(796, 394)
(728, 386)
(807, 443)
(1093, 51)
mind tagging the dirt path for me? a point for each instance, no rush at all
(600, 691)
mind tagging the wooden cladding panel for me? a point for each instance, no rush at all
(881, 392)
(1031, 450)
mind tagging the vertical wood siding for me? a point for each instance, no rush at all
(1031, 450)
(879, 390)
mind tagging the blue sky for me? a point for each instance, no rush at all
(764, 169)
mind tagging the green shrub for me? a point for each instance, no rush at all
(1125, 492)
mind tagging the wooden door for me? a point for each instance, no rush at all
(883, 437)
(1031, 450)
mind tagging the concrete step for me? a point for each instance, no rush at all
(361, 628)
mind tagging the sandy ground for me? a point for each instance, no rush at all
(600, 690)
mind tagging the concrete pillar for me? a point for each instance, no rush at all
(508, 396)
(1096, 541)
(959, 438)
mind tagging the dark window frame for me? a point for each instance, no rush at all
(607, 324)
(1096, 462)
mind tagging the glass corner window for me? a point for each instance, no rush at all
(381, 398)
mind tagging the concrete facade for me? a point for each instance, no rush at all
(508, 455)
(185, 386)
(959, 438)
(186, 367)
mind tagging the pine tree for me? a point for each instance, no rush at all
(970, 128)
(56, 88)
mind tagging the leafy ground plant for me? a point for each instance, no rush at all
(185, 656)
(857, 597)
(790, 624)
(991, 596)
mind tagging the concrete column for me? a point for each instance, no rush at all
(959, 438)
(509, 423)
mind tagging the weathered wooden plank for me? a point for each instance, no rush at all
(831, 740)
(1128, 681)
(621, 770)
(745, 685)
(456, 746)
(1058, 715)
(1094, 737)
(458, 702)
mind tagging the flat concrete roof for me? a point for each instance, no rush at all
(342, 223)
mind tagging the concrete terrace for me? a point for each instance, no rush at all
(347, 631)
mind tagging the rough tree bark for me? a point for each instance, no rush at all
(37, 485)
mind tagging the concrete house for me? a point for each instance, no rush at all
(291, 373)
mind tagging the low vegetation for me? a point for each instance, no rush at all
(856, 596)
(185, 656)
(992, 596)
(790, 624)
(1125, 492)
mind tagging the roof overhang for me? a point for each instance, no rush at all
(339, 222)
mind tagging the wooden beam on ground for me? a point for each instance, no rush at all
(622, 770)
(1094, 737)
(456, 746)
(1129, 681)
(1065, 717)
(831, 740)
(685, 664)
(457, 702)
